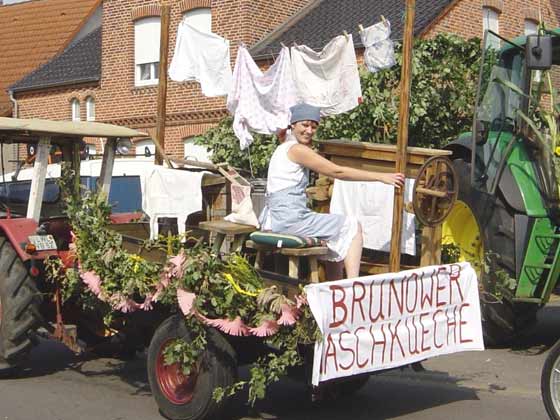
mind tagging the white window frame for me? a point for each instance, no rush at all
(90, 108)
(91, 150)
(197, 152)
(75, 107)
(531, 27)
(491, 21)
(146, 50)
(199, 18)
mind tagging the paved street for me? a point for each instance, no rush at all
(493, 384)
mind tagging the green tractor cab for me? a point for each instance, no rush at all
(506, 219)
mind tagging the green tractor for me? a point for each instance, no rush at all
(506, 220)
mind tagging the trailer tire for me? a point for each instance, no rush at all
(20, 302)
(502, 321)
(191, 398)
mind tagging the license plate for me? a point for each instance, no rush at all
(43, 242)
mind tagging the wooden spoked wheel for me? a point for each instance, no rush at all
(435, 191)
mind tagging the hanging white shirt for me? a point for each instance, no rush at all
(260, 101)
(372, 204)
(202, 57)
(379, 51)
(328, 79)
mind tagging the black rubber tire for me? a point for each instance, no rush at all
(218, 369)
(546, 377)
(20, 302)
(501, 321)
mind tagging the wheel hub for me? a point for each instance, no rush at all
(177, 387)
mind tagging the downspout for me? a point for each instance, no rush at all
(15, 114)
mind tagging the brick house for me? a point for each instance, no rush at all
(111, 75)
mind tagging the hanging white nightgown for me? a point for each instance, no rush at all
(328, 79)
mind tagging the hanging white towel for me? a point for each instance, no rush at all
(260, 101)
(202, 57)
(372, 204)
(328, 79)
(379, 51)
(170, 193)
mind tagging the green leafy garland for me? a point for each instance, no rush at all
(227, 288)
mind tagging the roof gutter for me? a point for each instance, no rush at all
(15, 111)
(56, 84)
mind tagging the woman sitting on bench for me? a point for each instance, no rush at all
(286, 208)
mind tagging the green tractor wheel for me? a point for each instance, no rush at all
(476, 227)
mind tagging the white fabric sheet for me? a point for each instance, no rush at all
(202, 57)
(372, 204)
(328, 79)
(379, 51)
(170, 193)
(260, 101)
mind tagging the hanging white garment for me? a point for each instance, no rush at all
(379, 51)
(170, 193)
(328, 79)
(260, 101)
(372, 204)
(202, 57)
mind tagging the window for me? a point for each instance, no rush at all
(490, 23)
(75, 105)
(531, 27)
(200, 18)
(146, 51)
(90, 150)
(145, 148)
(196, 151)
(90, 109)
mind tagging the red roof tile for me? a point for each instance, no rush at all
(31, 33)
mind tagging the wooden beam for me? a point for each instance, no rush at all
(162, 85)
(104, 181)
(39, 178)
(402, 140)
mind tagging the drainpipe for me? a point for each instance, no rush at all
(15, 114)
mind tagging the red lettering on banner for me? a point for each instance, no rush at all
(358, 300)
(428, 298)
(415, 301)
(435, 329)
(393, 292)
(360, 365)
(461, 323)
(346, 349)
(395, 335)
(440, 288)
(338, 304)
(412, 350)
(451, 324)
(330, 345)
(424, 331)
(379, 315)
(375, 343)
(454, 275)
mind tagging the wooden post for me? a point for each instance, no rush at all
(162, 85)
(39, 178)
(104, 181)
(402, 141)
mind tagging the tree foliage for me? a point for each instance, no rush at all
(445, 74)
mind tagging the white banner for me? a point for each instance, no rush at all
(389, 320)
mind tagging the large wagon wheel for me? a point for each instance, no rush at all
(435, 191)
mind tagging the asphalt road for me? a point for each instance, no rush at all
(494, 384)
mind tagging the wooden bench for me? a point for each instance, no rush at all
(294, 255)
(235, 233)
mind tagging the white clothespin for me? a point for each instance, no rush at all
(384, 20)
(345, 34)
(361, 27)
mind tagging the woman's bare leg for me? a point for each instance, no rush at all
(354, 255)
(335, 270)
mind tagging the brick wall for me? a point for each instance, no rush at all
(118, 101)
(464, 17)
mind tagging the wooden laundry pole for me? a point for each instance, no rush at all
(162, 84)
(402, 140)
